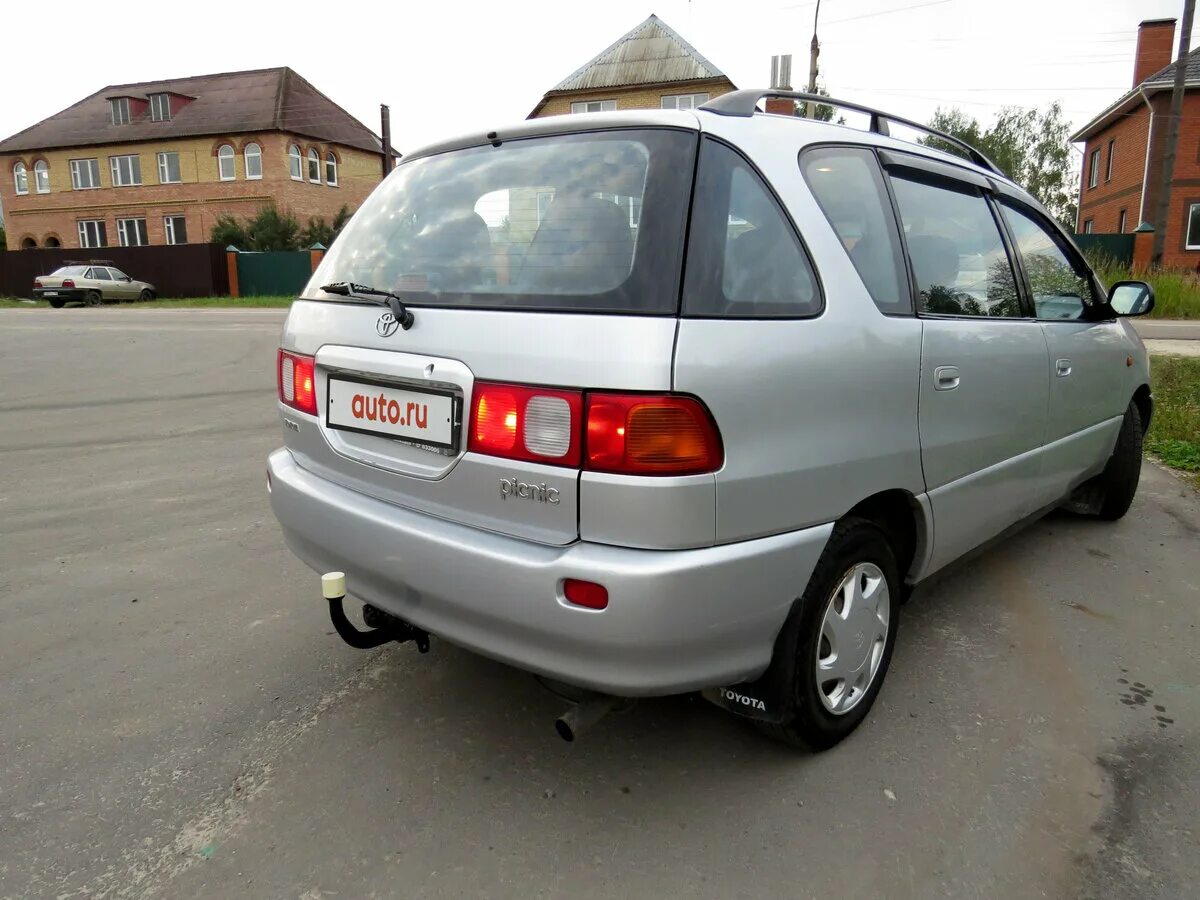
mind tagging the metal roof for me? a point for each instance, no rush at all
(1162, 80)
(652, 53)
(227, 103)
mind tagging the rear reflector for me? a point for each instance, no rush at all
(634, 434)
(527, 423)
(587, 594)
(297, 382)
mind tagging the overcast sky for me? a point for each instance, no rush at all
(446, 67)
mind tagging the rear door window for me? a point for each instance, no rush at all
(850, 190)
(589, 222)
(745, 259)
(956, 251)
(101, 274)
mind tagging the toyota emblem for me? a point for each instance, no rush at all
(387, 325)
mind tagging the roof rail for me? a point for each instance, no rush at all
(744, 103)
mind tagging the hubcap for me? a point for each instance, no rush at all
(853, 634)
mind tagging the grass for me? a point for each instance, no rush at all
(1176, 291)
(183, 303)
(1175, 429)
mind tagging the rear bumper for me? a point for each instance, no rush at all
(59, 293)
(676, 621)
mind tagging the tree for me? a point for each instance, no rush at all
(822, 113)
(318, 231)
(1029, 145)
(3, 237)
(268, 229)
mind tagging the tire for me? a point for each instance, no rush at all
(93, 298)
(56, 304)
(146, 294)
(856, 548)
(1119, 480)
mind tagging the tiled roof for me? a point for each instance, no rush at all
(231, 102)
(652, 53)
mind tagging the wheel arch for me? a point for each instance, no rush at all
(904, 520)
(1145, 405)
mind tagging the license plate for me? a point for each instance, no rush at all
(49, 293)
(406, 414)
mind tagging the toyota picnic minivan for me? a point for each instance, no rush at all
(656, 402)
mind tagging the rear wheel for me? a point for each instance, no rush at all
(842, 635)
(146, 294)
(93, 298)
(57, 304)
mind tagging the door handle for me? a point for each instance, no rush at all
(945, 378)
(1062, 368)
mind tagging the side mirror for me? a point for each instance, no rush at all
(127, 278)
(1131, 298)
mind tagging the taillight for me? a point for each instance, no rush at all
(587, 594)
(37, 283)
(634, 434)
(527, 423)
(297, 382)
(630, 434)
(68, 283)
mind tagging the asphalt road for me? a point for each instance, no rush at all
(176, 719)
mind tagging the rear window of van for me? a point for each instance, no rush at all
(582, 222)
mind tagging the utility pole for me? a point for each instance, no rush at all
(814, 50)
(385, 134)
(1168, 164)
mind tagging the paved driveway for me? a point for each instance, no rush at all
(176, 719)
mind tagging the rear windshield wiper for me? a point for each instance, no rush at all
(347, 289)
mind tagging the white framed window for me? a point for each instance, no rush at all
(126, 170)
(331, 169)
(168, 168)
(1193, 227)
(1088, 226)
(85, 174)
(132, 232)
(176, 229)
(544, 199)
(92, 233)
(1094, 168)
(587, 106)
(226, 167)
(41, 176)
(160, 108)
(119, 107)
(1121, 222)
(294, 165)
(683, 101)
(252, 154)
(314, 167)
(21, 178)
(1112, 147)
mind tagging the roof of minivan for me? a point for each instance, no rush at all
(811, 132)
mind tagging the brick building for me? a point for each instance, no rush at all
(158, 162)
(1124, 148)
(650, 67)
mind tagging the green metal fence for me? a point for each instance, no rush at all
(274, 273)
(1117, 247)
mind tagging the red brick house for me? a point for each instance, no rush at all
(158, 162)
(1123, 147)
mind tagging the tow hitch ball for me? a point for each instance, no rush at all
(383, 627)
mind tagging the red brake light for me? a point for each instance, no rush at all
(297, 382)
(37, 283)
(527, 423)
(634, 434)
(585, 593)
(67, 282)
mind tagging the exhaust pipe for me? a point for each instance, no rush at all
(583, 715)
(384, 626)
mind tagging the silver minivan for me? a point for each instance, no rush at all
(656, 402)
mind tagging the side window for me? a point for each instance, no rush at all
(744, 257)
(1059, 292)
(956, 251)
(850, 191)
(101, 274)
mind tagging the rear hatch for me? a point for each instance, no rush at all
(536, 270)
